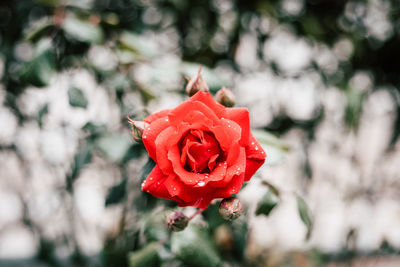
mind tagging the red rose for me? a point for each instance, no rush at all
(203, 151)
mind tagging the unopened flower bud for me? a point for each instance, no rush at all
(230, 208)
(225, 97)
(197, 83)
(176, 221)
(137, 129)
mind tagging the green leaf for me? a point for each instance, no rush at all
(304, 213)
(133, 152)
(95, 130)
(82, 30)
(38, 29)
(77, 98)
(276, 150)
(116, 193)
(51, 3)
(240, 234)
(267, 203)
(194, 248)
(147, 256)
(83, 157)
(155, 228)
(353, 108)
(41, 69)
(138, 44)
(42, 112)
(114, 146)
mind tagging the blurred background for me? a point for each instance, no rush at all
(320, 79)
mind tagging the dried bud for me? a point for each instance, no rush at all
(176, 221)
(137, 129)
(196, 84)
(230, 208)
(225, 97)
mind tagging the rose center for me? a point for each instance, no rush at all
(200, 151)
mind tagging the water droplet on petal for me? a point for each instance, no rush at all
(201, 183)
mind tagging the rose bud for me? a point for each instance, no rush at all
(196, 84)
(225, 97)
(230, 208)
(137, 129)
(176, 221)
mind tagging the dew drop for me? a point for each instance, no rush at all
(256, 147)
(201, 183)
(252, 143)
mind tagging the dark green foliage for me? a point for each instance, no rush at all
(305, 215)
(77, 98)
(267, 204)
(116, 194)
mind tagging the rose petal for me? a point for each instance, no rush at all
(232, 188)
(155, 116)
(180, 113)
(252, 165)
(254, 150)
(187, 193)
(255, 157)
(219, 172)
(227, 133)
(237, 168)
(207, 99)
(167, 138)
(186, 177)
(154, 184)
(241, 117)
(150, 134)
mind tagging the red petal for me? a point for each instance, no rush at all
(227, 133)
(155, 116)
(181, 112)
(241, 117)
(232, 188)
(254, 150)
(164, 141)
(234, 169)
(252, 165)
(150, 134)
(207, 99)
(154, 184)
(186, 177)
(255, 157)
